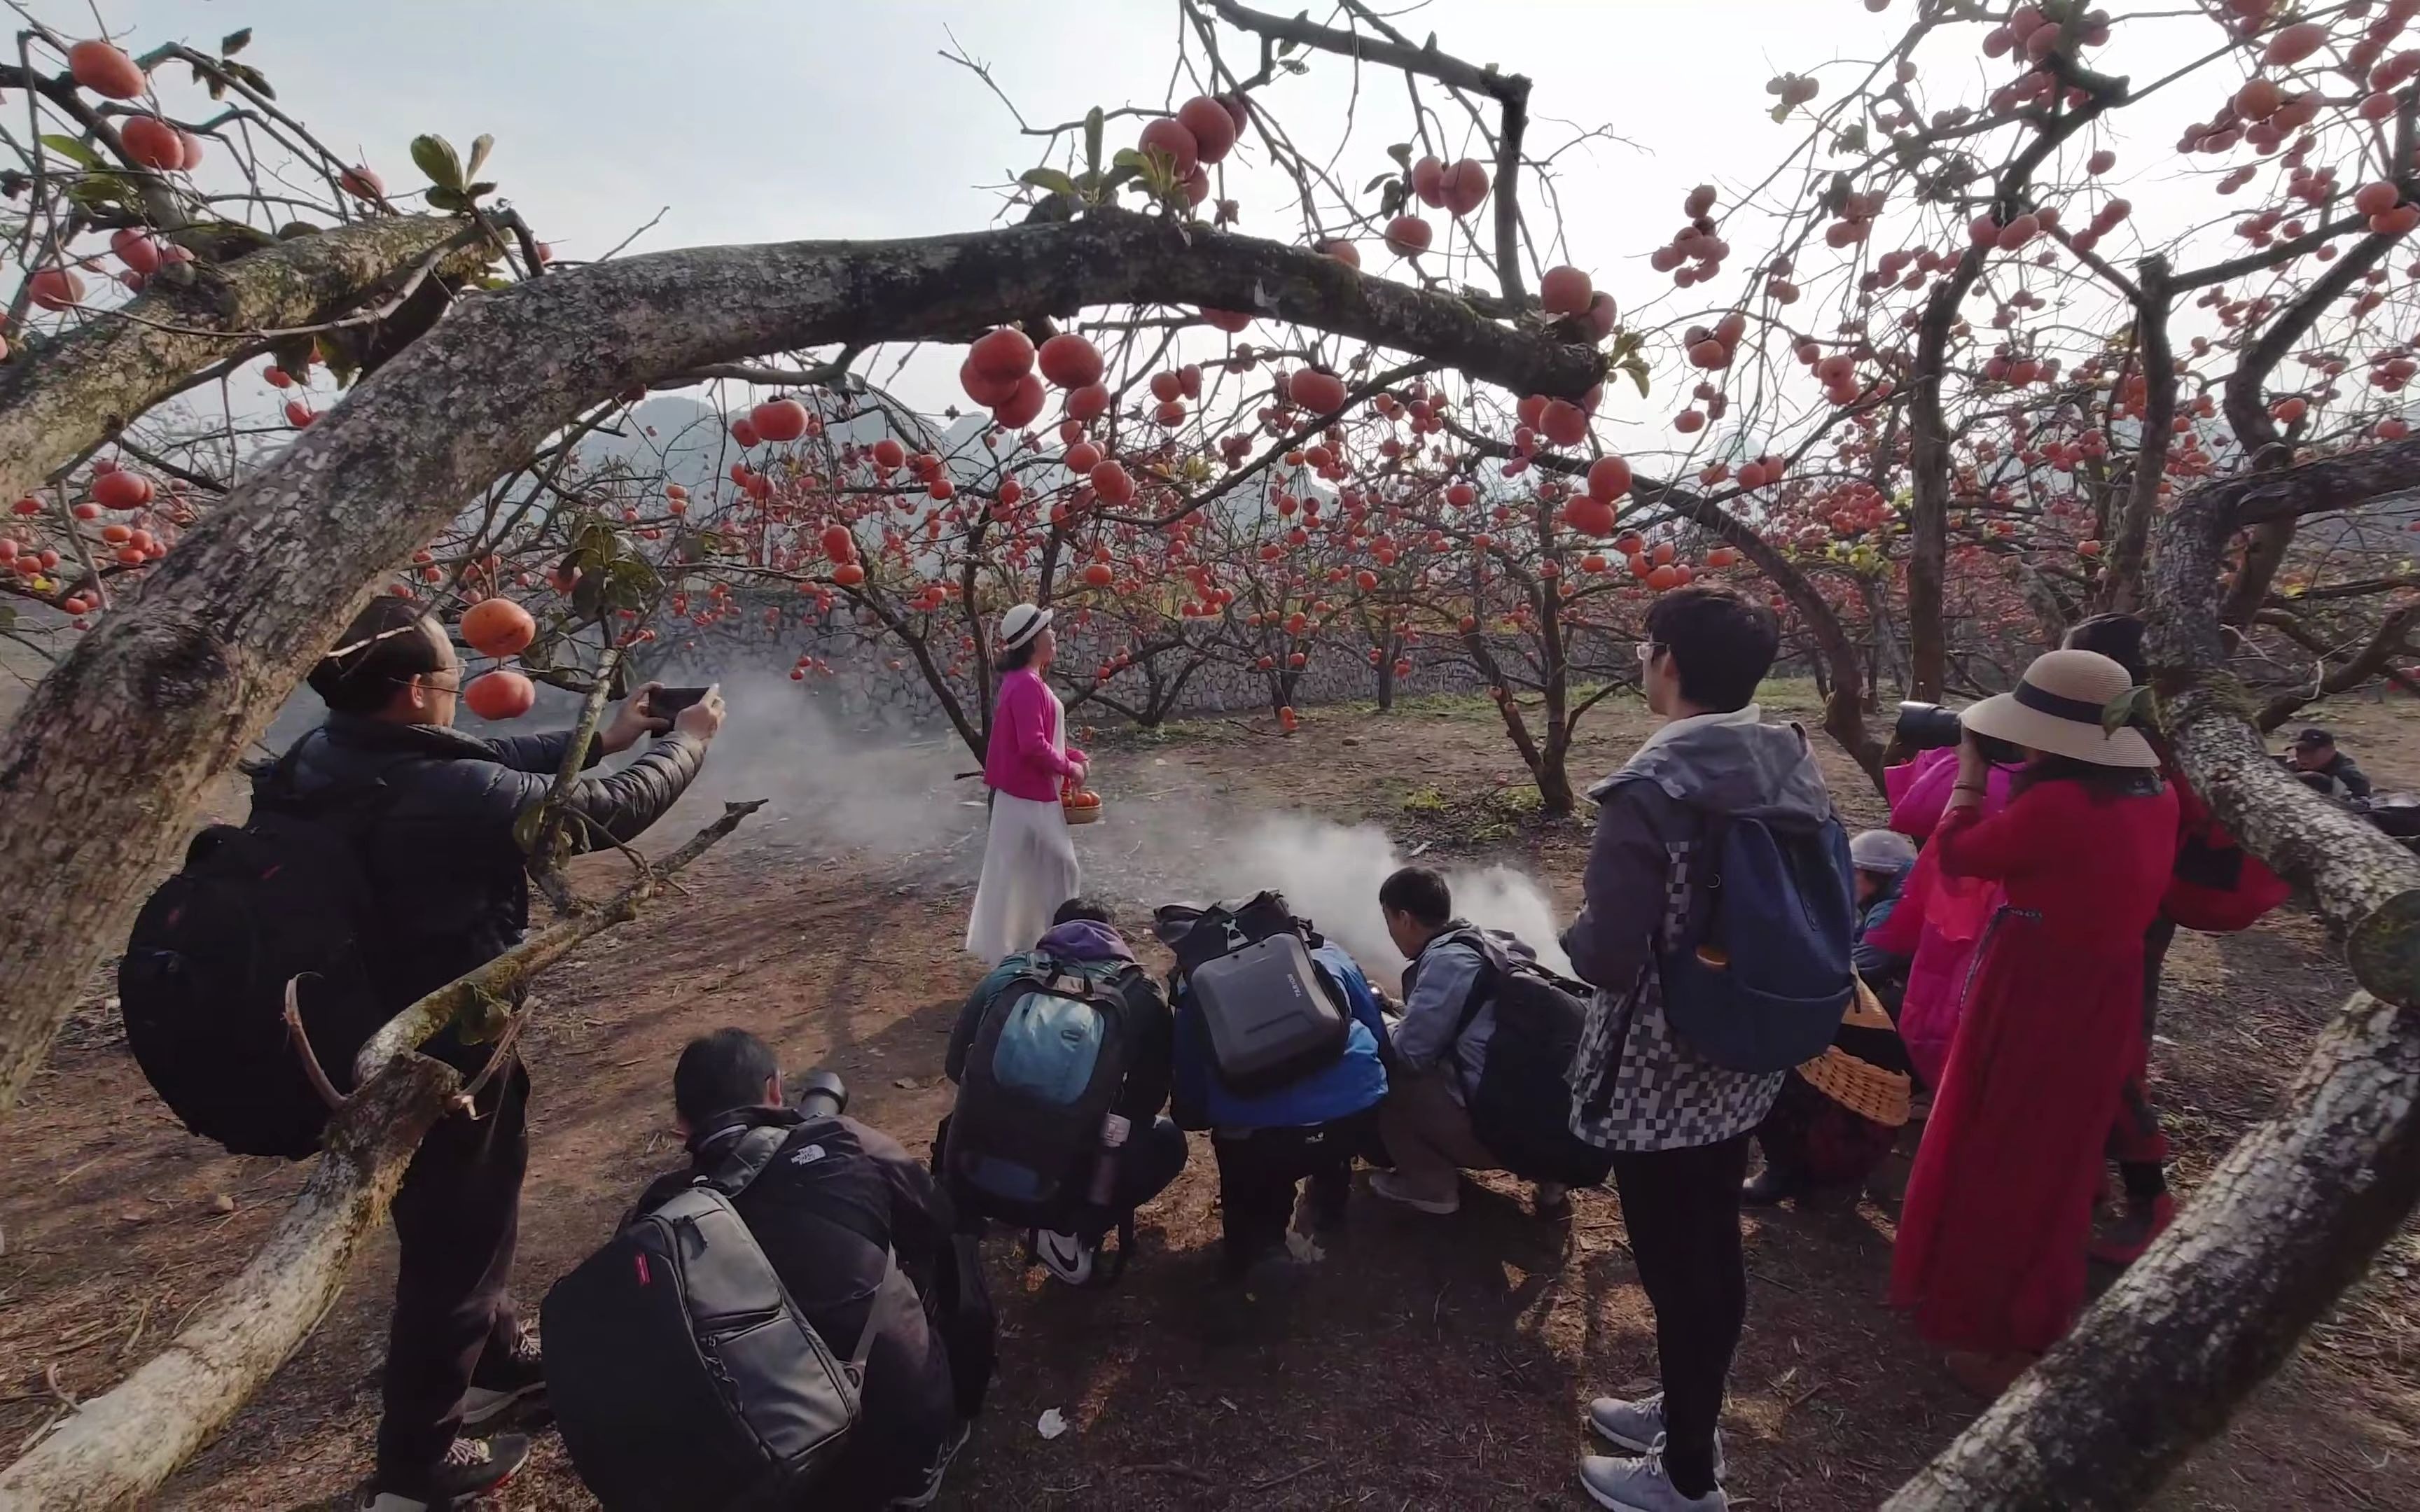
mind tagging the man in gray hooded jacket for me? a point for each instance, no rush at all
(1677, 1125)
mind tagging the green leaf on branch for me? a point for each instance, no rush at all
(250, 77)
(450, 199)
(1377, 183)
(435, 157)
(1048, 179)
(1093, 121)
(2126, 707)
(480, 147)
(103, 191)
(1637, 368)
(71, 150)
(234, 42)
(1402, 153)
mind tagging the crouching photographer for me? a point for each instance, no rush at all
(787, 1323)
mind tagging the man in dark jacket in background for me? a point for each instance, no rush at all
(432, 812)
(830, 1219)
(1082, 934)
(2314, 756)
(1676, 1124)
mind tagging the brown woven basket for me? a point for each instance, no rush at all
(1861, 1086)
(1081, 816)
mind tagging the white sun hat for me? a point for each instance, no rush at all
(1022, 624)
(2058, 708)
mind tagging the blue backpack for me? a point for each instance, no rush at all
(1760, 976)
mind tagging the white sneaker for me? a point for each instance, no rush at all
(1395, 1189)
(1638, 1426)
(1063, 1255)
(1641, 1485)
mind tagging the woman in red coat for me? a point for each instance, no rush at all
(1991, 1250)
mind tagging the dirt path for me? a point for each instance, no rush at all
(1428, 1363)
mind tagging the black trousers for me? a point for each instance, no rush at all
(1153, 1158)
(1259, 1171)
(457, 1220)
(1682, 1208)
(2138, 1144)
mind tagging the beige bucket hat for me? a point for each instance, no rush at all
(2057, 708)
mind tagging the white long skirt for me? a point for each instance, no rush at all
(1029, 870)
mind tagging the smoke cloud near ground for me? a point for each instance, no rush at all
(825, 786)
(1330, 873)
(830, 789)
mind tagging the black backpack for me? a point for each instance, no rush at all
(1045, 1067)
(202, 986)
(681, 1374)
(1521, 1107)
(1199, 934)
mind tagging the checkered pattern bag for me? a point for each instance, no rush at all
(1635, 1086)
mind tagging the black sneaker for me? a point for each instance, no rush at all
(469, 1469)
(506, 1380)
(1772, 1187)
(940, 1468)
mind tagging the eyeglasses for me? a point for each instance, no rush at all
(1647, 649)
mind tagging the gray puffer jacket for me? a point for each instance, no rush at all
(1637, 1085)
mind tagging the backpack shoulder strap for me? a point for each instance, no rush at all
(748, 1159)
(864, 1350)
(1494, 966)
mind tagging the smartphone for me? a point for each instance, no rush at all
(663, 703)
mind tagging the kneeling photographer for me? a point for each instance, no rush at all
(787, 1323)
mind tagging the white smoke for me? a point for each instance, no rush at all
(826, 787)
(1330, 873)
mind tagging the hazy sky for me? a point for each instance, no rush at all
(815, 119)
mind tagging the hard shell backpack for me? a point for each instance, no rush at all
(683, 1376)
(1270, 1015)
(1521, 1107)
(1267, 1011)
(1762, 975)
(202, 983)
(1046, 1065)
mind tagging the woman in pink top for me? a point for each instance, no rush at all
(1029, 861)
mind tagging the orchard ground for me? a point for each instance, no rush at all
(1426, 1363)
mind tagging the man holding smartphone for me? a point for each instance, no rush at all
(431, 812)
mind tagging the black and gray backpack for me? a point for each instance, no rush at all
(1047, 1066)
(681, 1373)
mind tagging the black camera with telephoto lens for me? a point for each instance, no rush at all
(821, 1095)
(1928, 727)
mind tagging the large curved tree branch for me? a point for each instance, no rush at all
(59, 399)
(2299, 1206)
(104, 764)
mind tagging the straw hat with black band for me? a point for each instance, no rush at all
(2057, 707)
(1022, 624)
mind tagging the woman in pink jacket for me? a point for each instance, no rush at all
(1940, 919)
(1029, 861)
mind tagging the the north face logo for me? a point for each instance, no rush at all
(807, 1155)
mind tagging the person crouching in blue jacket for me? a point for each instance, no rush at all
(1310, 1129)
